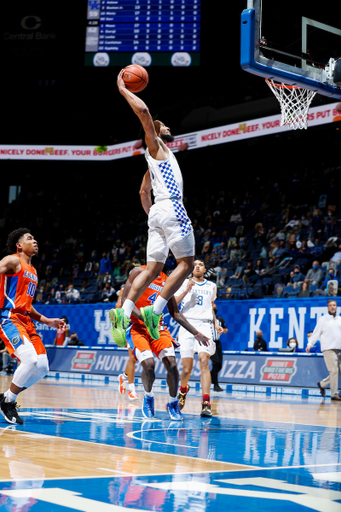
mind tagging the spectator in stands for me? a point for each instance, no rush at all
(270, 268)
(274, 245)
(281, 251)
(260, 235)
(236, 218)
(272, 234)
(304, 250)
(304, 290)
(292, 343)
(317, 223)
(329, 224)
(116, 269)
(296, 277)
(236, 254)
(108, 293)
(60, 295)
(206, 250)
(331, 290)
(260, 344)
(223, 254)
(40, 296)
(331, 277)
(104, 265)
(249, 273)
(337, 255)
(75, 341)
(84, 286)
(122, 251)
(259, 268)
(314, 275)
(72, 295)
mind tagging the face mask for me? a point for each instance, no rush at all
(259, 336)
(292, 344)
(315, 266)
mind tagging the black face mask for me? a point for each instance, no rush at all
(259, 336)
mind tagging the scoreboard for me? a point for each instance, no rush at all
(146, 32)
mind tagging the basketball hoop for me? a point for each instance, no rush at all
(294, 102)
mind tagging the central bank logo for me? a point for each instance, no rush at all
(83, 360)
(278, 370)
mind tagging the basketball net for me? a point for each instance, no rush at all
(294, 103)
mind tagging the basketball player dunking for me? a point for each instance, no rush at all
(168, 224)
(18, 284)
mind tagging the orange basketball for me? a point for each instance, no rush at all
(135, 77)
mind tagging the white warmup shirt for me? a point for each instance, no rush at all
(197, 304)
(328, 331)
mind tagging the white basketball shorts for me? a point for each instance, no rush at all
(169, 228)
(189, 345)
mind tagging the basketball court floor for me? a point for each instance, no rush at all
(85, 447)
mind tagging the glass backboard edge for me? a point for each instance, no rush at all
(272, 69)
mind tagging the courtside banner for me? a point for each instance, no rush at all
(253, 369)
(228, 133)
(278, 319)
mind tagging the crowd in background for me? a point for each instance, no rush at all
(87, 246)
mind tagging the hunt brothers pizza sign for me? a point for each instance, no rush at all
(278, 370)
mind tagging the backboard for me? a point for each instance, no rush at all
(294, 42)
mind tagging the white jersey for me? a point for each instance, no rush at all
(166, 177)
(197, 304)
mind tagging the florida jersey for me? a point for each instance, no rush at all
(17, 290)
(150, 295)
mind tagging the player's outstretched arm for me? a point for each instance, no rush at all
(181, 319)
(56, 323)
(142, 112)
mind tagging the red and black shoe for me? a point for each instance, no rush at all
(182, 397)
(206, 411)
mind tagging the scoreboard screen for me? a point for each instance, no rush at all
(145, 32)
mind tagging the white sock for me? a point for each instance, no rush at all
(128, 307)
(131, 388)
(148, 394)
(172, 399)
(159, 305)
(10, 397)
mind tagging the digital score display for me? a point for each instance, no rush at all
(145, 32)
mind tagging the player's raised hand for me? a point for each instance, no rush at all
(120, 81)
(190, 285)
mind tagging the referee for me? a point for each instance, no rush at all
(217, 358)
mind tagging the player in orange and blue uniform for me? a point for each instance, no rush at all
(144, 346)
(17, 287)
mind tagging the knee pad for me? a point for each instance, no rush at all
(42, 367)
